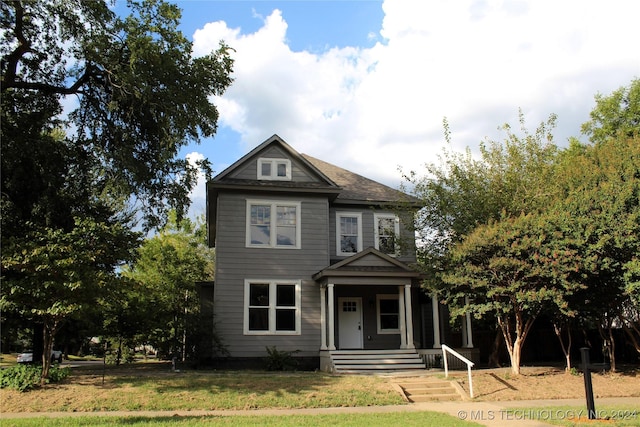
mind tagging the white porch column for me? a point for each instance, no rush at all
(401, 315)
(323, 317)
(332, 326)
(408, 308)
(436, 322)
(467, 324)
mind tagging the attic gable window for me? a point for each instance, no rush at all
(274, 169)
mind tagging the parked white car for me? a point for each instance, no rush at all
(27, 356)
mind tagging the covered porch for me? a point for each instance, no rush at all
(371, 302)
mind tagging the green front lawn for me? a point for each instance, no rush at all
(369, 420)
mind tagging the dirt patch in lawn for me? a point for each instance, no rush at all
(548, 383)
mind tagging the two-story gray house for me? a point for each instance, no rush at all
(313, 258)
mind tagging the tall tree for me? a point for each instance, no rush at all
(140, 93)
(464, 194)
(94, 110)
(514, 268)
(464, 191)
(164, 285)
(53, 274)
(602, 195)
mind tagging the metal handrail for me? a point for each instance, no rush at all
(469, 363)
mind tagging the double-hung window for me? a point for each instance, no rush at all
(348, 233)
(388, 308)
(387, 230)
(273, 224)
(272, 307)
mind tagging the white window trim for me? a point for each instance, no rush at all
(381, 297)
(274, 234)
(377, 217)
(272, 306)
(340, 214)
(274, 169)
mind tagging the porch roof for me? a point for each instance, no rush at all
(369, 263)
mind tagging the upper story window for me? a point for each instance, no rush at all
(387, 230)
(274, 169)
(273, 224)
(348, 233)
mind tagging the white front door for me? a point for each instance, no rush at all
(350, 323)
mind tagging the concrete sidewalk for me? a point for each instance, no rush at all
(496, 414)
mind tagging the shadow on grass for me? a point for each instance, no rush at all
(159, 378)
(503, 382)
(166, 420)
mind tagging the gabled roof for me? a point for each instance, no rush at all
(339, 185)
(322, 183)
(368, 262)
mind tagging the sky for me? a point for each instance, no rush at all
(365, 85)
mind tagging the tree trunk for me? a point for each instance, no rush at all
(119, 352)
(514, 340)
(612, 350)
(633, 333)
(609, 345)
(494, 357)
(48, 333)
(515, 355)
(566, 348)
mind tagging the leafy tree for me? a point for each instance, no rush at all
(140, 93)
(463, 192)
(134, 96)
(515, 269)
(466, 195)
(617, 114)
(54, 274)
(602, 195)
(163, 287)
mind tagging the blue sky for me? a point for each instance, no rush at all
(366, 84)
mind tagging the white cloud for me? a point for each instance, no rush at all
(198, 193)
(475, 62)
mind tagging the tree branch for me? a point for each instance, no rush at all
(10, 62)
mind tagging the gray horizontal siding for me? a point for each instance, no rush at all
(368, 231)
(235, 263)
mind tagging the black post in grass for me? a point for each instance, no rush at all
(588, 387)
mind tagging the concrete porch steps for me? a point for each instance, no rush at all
(429, 390)
(375, 361)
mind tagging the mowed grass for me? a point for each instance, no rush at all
(149, 387)
(371, 420)
(154, 387)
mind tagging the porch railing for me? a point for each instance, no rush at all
(446, 349)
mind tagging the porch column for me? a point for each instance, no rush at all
(436, 321)
(332, 326)
(323, 317)
(408, 308)
(467, 323)
(401, 315)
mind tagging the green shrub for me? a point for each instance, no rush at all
(57, 374)
(280, 360)
(26, 377)
(20, 377)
